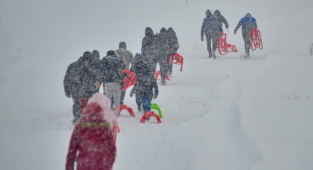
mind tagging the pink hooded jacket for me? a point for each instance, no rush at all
(93, 138)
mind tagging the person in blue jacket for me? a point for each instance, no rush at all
(246, 23)
(211, 27)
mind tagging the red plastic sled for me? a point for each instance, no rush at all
(223, 45)
(255, 39)
(129, 80)
(129, 109)
(157, 73)
(177, 59)
(149, 114)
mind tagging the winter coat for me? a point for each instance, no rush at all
(161, 44)
(172, 40)
(139, 68)
(92, 141)
(91, 75)
(210, 24)
(247, 23)
(126, 56)
(217, 14)
(112, 69)
(72, 79)
(148, 45)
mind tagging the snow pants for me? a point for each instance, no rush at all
(146, 102)
(114, 90)
(163, 61)
(214, 37)
(246, 39)
(76, 108)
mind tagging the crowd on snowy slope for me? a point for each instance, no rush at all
(95, 114)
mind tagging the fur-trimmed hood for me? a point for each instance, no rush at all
(98, 113)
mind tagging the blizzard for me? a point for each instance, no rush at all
(228, 113)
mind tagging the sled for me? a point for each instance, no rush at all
(129, 109)
(223, 46)
(177, 59)
(129, 80)
(157, 73)
(255, 39)
(150, 114)
(156, 107)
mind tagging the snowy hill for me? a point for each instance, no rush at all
(230, 113)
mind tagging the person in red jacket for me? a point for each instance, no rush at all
(93, 137)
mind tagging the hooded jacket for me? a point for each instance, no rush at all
(148, 45)
(210, 24)
(161, 44)
(112, 68)
(125, 55)
(92, 138)
(247, 23)
(72, 79)
(172, 40)
(217, 14)
(91, 73)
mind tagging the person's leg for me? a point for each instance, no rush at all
(109, 92)
(170, 66)
(208, 43)
(146, 102)
(116, 97)
(215, 37)
(163, 68)
(76, 109)
(138, 100)
(122, 96)
(247, 43)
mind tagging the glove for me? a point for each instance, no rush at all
(235, 32)
(202, 38)
(131, 95)
(155, 96)
(227, 27)
(97, 85)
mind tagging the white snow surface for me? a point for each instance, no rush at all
(230, 113)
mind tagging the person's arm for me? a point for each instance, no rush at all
(202, 29)
(225, 22)
(72, 150)
(238, 25)
(67, 83)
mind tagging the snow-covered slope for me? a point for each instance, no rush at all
(225, 114)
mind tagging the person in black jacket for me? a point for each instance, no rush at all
(145, 84)
(112, 77)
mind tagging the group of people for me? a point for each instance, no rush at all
(212, 28)
(95, 114)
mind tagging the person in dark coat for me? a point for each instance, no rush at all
(217, 14)
(247, 23)
(72, 83)
(91, 74)
(162, 53)
(140, 69)
(112, 77)
(173, 46)
(146, 87)
(127, 57)
(92, 143)
(211, 27)
(148, 48)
